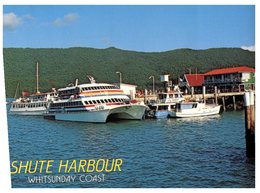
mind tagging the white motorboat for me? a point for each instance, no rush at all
(194, 109)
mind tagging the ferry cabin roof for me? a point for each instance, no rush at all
(93, 86)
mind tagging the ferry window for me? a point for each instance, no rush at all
(113, 100)
(87, 88)
(176, 95)
(170, 95)
(102, 101)
(94, 102)
(86, 102)
(106, 101)
(98, 101)
(109, 100)
(90, 102)
(116, 100)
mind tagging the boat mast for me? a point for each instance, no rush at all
(37, 78)
(17, 86)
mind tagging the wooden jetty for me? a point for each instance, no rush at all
(226, 99)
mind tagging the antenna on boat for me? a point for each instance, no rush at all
(76, 82)
(37, 78)
(91, 79)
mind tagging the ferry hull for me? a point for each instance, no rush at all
(203, 112)
(134, 112)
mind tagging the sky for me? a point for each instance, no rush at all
(140, 28)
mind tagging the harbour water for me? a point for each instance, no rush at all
(206, 152)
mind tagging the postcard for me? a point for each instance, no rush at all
(130, 96)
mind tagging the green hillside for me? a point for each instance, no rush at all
(58, 67)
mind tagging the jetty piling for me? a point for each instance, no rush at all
(223, 103)
(234, 103)
(249, 103)
(204, 93)
(216, 94)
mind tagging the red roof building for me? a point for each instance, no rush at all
(194, 79)
(231, 70)
(233, 78)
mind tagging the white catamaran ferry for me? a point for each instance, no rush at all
(94, 102)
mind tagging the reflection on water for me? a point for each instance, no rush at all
(191, 152)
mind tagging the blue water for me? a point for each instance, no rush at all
(179, 153)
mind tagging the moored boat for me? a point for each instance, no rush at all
(165, 103)
(194, 109)
(34, 104)
(94, 102)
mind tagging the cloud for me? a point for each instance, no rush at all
(11, 21)
(66, 20)
(249, 48)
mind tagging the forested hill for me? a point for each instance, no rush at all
(58, 67)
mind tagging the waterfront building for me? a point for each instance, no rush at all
(233, 79)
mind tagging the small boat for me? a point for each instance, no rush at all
(165, 103)
(94, 102)
(194, 109)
